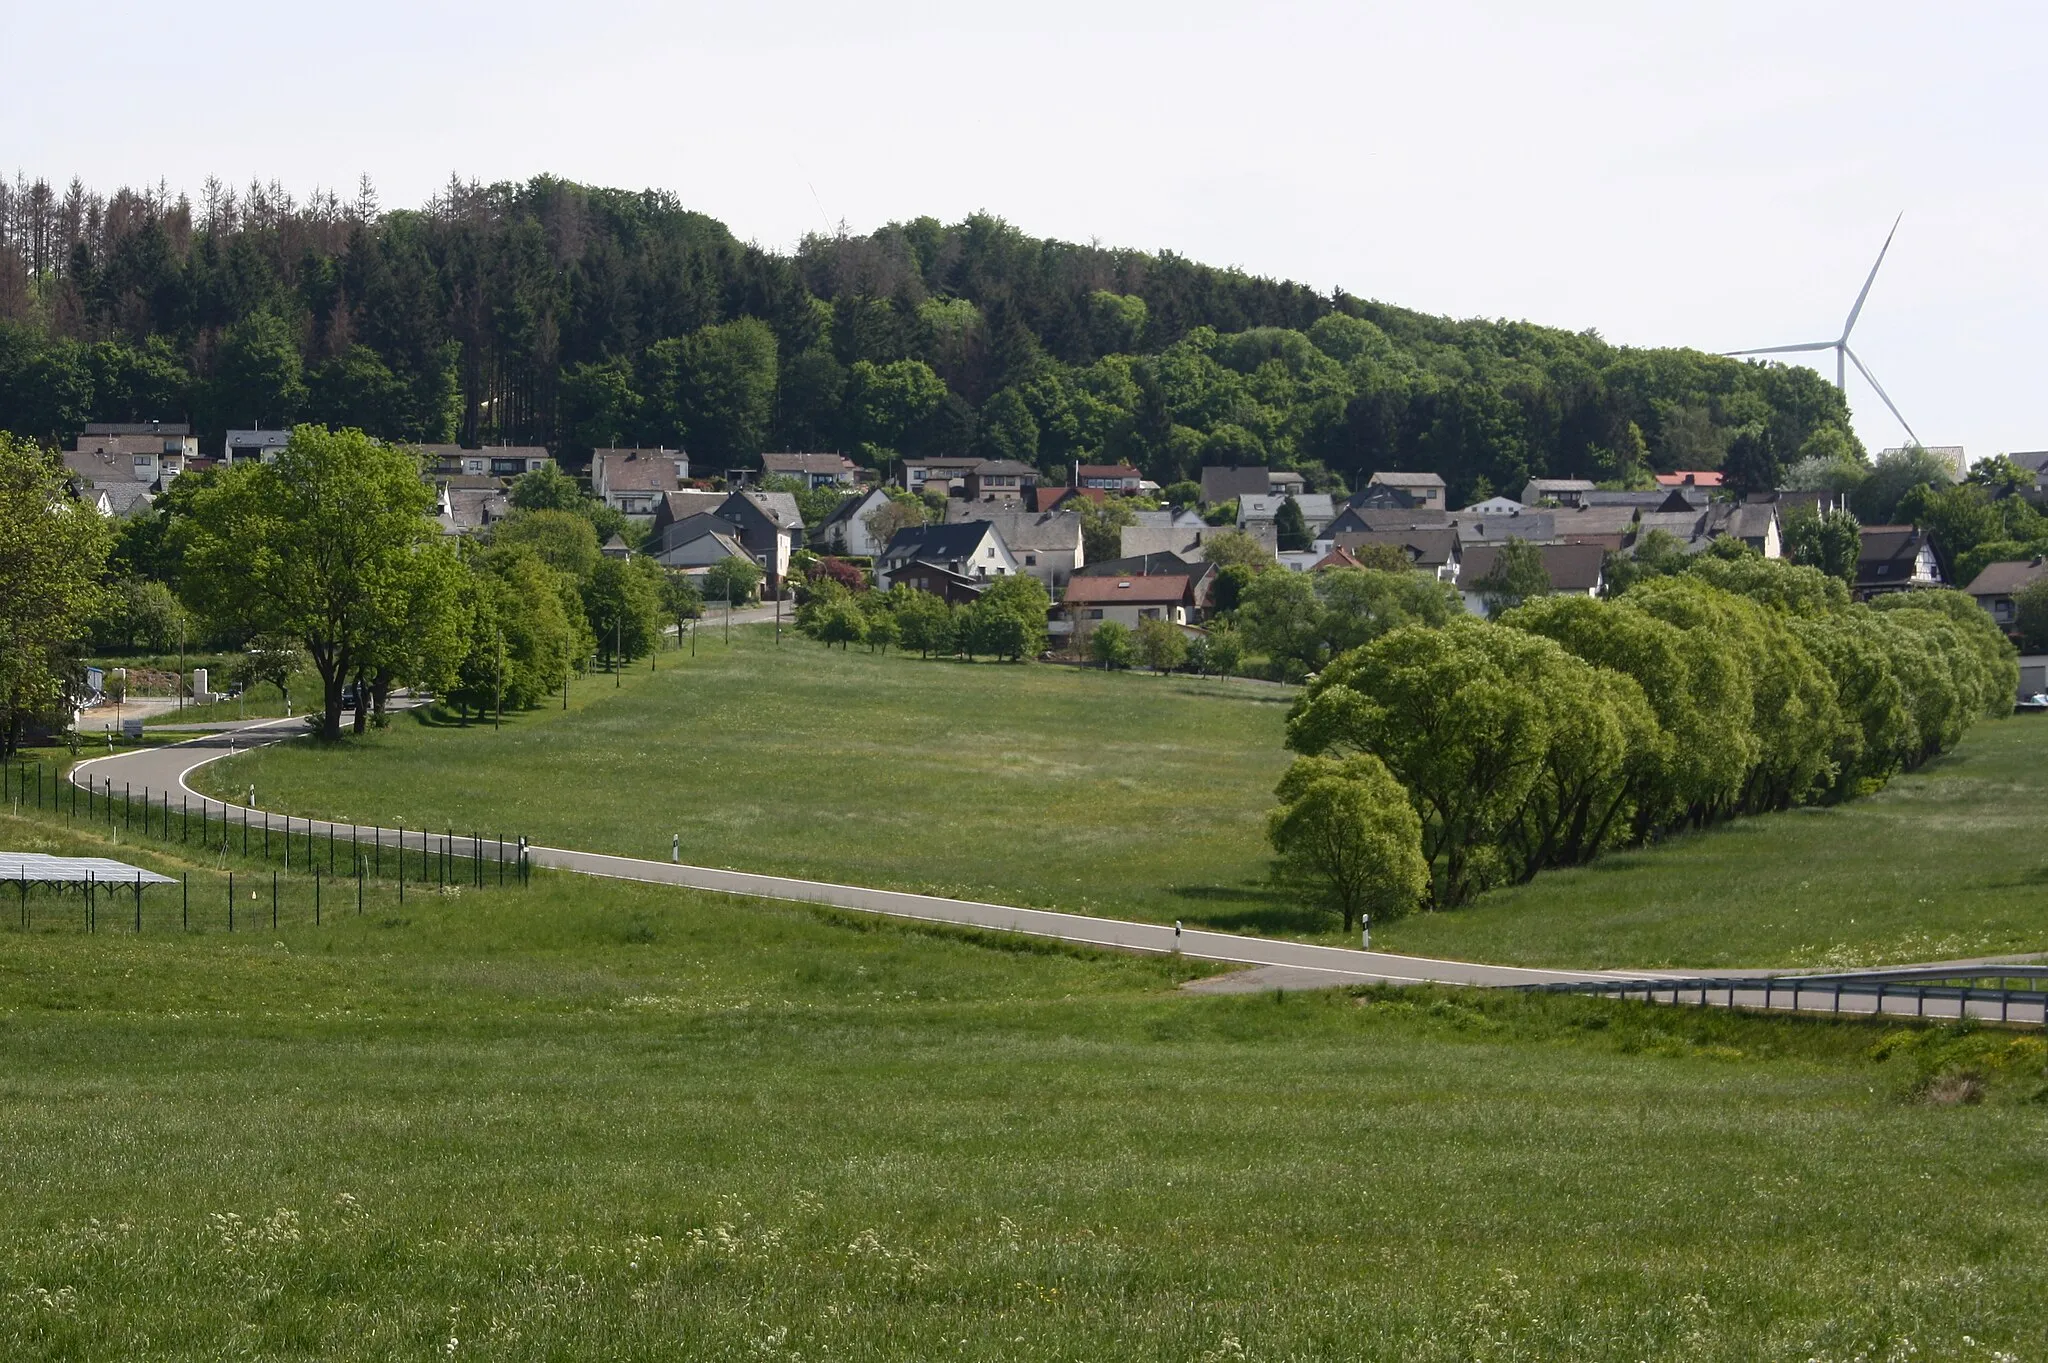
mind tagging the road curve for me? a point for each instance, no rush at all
(1279, 963)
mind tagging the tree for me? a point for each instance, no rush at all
(358, 389)
(680, 600)
(52, 551)
(142, 614)
(1102, 526)
(1160, 644)
(879, 629)
(720, 383)
(1827, 540)
(258, 376)
(1009, 619)
(1225, 651)
(898, 513)
(732, 580)
(1517, 575)
(840, 622)
(1751, 464)
(303, 546)
(1999, 476)
(1291, 527)
(1109, 643)
(1234, 548)
(1359, 605)
(563, 540)
(269, 660)
(1346, 831)
(1876, 499)
(2030, 616)
(622, 598)
(1282, 617)
(547, 488)
(925, 623)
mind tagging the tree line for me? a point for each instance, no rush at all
(1463, 754)
(559, 314)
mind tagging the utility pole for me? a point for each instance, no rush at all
(618, 669)
(497, 719)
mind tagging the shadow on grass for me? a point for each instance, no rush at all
(1250, 908)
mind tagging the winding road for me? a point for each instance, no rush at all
(1268, 963)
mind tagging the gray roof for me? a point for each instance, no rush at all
(2003, 579)
(1538, 488)
(2034, 461)
(1744, 520)
(1595, 520)
(1407, 480)
(849, 507)
(1036, 531)
(1648, 500)
(1317, 508)
(1687, 525)
(779, 507)
(1570, 567)
(806, 463)
(1426, 548)
(1534, 526)
(172, 428)
(1226, 482)
(123, 499)
(939, 543)
(632, 470)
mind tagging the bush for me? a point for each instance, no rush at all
(1109, 644)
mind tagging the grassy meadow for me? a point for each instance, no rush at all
(1144, 797)
(604, 1120)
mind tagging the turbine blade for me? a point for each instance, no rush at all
(1886, 396)
(1781, 349)
(1857, 311)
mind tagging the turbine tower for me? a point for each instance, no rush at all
(1844, 357)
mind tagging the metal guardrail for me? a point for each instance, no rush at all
(2015, 994)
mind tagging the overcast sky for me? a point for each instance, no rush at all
(1669, 174)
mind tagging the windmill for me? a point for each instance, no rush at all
(1844, 357)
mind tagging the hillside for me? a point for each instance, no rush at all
(554, 313)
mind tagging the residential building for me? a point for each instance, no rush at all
(956, 589)
(1573, 570)
(633, 481)
(498, 461)
(1090, 600)
(616, 547)
(1318, 510)
(1426, 488)
(968, 549)
(1233, 482)
(259, 444)
(937, 475)
(693, 544)
(145, 452)
(1690, 478)
(1562, 491)
(680, 506)
(846, 531)
(1754, 523)
(1677, 498)
(1355, 518)
(1183, 517)
(769, 525)
(1119, 478)
(1995, 588)
(1495, 506)
(1052, 498)
(1047, 545)
(117, 501)
(1201, 573)
(464, 510)
(817, 470)
(1895, 558)
(1285, 483)
(1537, 527)
(1429, 549)
(1000, 480)
(1177, 539)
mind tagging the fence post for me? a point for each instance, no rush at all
(273, 900)
(138, 903)
(359, 887)
(316, 896)
(185, 900)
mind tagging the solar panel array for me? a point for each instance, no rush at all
(44, 869)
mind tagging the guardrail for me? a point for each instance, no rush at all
(2014, 994)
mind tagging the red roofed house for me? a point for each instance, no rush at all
(1091, 600)
(1690, 478)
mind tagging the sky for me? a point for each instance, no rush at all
(1674, 173)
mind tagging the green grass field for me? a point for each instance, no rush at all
(1045, 786)
(1135, 796)
(598, 1120)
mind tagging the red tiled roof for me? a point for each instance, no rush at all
(1107, 471)
(1690, 478)
(1107, 591)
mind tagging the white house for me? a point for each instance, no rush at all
(260, 445)
(632, 481)
(973, 549)
(846, 531)
(1047, 545)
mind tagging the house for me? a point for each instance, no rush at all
(1495, 506)
(258, 445)
(1182, 517)
(817, 470)
(464, 510)
(1610, 527)
(1053, 498)
(1537, 527)
(1285, 483)
(1426, 488)
(1201, 573)
(616, 547)
(846, 531)
(969, 549)
(1754, 523)
(1047, 545)
(955, 589)
(693, 544)
(1995, 588)
(1177, 539)
(1090, 600)
(1690, 478)
(1678, 498)
(1000, 480)
(680, 506)
(145, 452)
(939, 475)
(1233, 482)
(769, 526)
(1118, 478)
(1895, 558)
(499, 461)
(1318, 510)
(632, 481)
(117, 501)
(1356, 518)
(1573, 570)
(1430, 549)
(1562, 491)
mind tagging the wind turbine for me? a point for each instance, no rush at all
(1844, 357)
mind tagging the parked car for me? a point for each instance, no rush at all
(2037, 701)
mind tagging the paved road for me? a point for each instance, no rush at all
(1273, 963)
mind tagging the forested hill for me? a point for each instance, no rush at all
(551, 313)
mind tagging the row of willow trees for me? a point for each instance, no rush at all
(1572, 725)
(558, 314)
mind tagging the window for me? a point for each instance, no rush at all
(1031, 560)
(1095, 614)
(1150, 612)
(143, 461)
(989, 552)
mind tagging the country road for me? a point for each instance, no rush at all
(1269, 963)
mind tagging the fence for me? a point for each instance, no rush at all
(315, 859)
(2016, 994)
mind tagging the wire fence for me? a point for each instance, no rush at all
(304, 870)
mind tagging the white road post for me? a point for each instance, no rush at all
(1365, 932)
(675, 849)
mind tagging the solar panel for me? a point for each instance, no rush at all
(49, 870)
